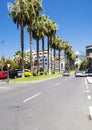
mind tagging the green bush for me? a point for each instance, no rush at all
(46, 72)
(41, 73)
(34, 73)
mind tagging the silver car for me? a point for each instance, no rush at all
(80, 74)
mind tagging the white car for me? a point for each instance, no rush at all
(80, 74)
(66, 73)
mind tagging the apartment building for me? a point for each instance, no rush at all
(51, 60)
(89, 55)
(34, 54)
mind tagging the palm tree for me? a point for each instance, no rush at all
(37, 35)
(57, 44)
(18, 11)
(17, 58)
(54, 46)
(60, 48)
(33, 11)
(67, 48)
(43, 22)
(52, 28)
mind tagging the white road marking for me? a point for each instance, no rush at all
(89, 97)
(90, 110)
(65, 79)
(57, 84)
(86, 87)
(32, 97)
(87, 91)
(4, 88)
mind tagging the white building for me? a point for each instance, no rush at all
(34, 56)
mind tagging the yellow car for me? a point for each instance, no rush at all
(27, 73)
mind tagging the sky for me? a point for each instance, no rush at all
(73, 17)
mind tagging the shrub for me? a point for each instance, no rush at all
(46, 72)
(34, 73)
(41, 73)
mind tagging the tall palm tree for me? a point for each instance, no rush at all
(33, 11)
(43, 20)
(57, 44)
(18, 11)
(54, 46)
(37, 35)
(67, 48)
(60, 48)
(52, 28)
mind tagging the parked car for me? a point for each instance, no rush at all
(89, 74)
(80, 74)
(66, 73)
(19, 72)
(15, 73)
(27, 73)
(3, 74)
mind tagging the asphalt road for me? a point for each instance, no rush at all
(63, 103)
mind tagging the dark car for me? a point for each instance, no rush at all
(15, 73)
(19, 72)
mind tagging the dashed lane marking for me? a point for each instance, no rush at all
(30, 98)
(87, 91)
(89, 97)
(57, 84)
(4, 88)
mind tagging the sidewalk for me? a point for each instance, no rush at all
(89, 79)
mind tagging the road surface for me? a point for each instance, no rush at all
(62, 103)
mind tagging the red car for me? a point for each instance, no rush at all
(3, 74)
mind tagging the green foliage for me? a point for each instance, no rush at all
(46, 72)
(4, 62)
(41, 73)
(34, 73)
(84, 64)
(53, 72)
(41, 69)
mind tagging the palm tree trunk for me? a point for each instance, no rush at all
(31, 67)
(22, 48)
(51, 52)
(48, 54)
(37, 56)
(54, 59)
(59, 61)
(43, 52)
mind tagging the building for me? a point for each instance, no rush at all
(34, 54)
(40, 58)
(89, 55)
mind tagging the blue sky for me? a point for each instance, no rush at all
(74, 19)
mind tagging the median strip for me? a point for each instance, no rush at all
(26, 100)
